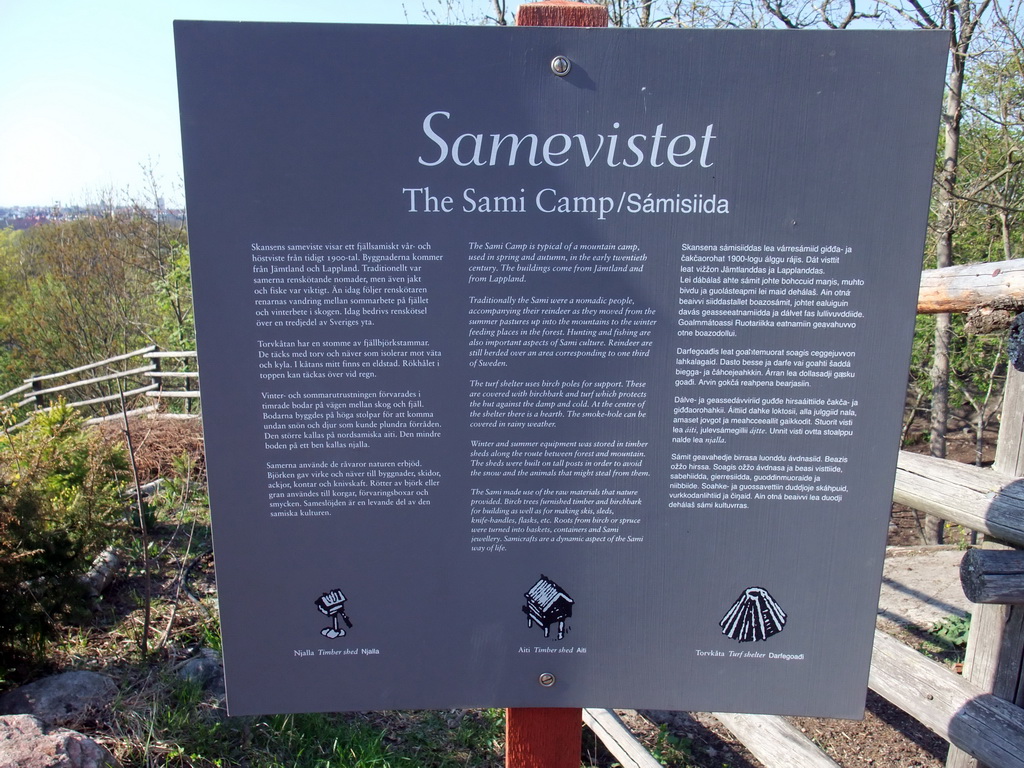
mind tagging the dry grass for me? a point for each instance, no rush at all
(158, 443)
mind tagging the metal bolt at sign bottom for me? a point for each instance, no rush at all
(546, 679)
(560, 65)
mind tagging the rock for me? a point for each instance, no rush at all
(207, 671)
(60, 699)
(204, 670)
(101, 574)
(25, 743)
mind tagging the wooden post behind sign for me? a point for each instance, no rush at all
(562, 13)
(549, 737)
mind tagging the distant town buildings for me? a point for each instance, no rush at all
(27, 216)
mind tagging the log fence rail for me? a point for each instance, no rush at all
(140, 377)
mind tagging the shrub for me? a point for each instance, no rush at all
(59, 506)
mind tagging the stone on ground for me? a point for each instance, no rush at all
(26, 743)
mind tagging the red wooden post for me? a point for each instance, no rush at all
(562, 13)
(543, 737)
(549, 737)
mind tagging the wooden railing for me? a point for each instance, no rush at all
(141, 379)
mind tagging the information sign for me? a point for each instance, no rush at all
(553, 367)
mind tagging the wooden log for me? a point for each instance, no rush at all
(37, 399)
(180, 416)
(136, 353)
(995, 646)
(998, 664)
(993, 576)
(1010, 449)
(104, 399)
(94, 401)
(993, 659)
(155, 355)
(154, 366)
(112, 398)
(980, 499)
(119, 416)
(174, 375)
(15, 391)
(992, 285)
(775, 741)
(95, 380)
(101, 574)
(190, 393)
(977, 722)
(618, 739)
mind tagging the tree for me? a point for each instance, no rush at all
(60, 505)
(962, 19)
(453, 12)
(83, 289)
(11, 372)
(993, 188)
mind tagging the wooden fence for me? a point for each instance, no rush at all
(981, 713)
(143, 378)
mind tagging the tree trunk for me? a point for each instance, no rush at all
(945, 226)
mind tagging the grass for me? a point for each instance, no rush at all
(951, 633)
(174, 723)
(945, 641)
(162, 720)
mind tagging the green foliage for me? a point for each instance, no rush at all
(75, 291)
(921, 357)
(952, 631)
(451, 738)
(176, 328)
(974, 360)
(991, 167)
(324, 741)
(181, 727)
(671, 749)
(59, 506)
(946, 641)
(11, 371)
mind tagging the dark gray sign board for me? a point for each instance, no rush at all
(507, 373)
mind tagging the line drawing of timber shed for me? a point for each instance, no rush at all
(547, 603)
(332, 604)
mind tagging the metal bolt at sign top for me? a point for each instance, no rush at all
(560, 65)
(546, 679)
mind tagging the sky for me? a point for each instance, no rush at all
(90, 98)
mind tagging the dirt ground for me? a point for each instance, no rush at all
(886, 738)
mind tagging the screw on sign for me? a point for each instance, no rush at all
(538, 737)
